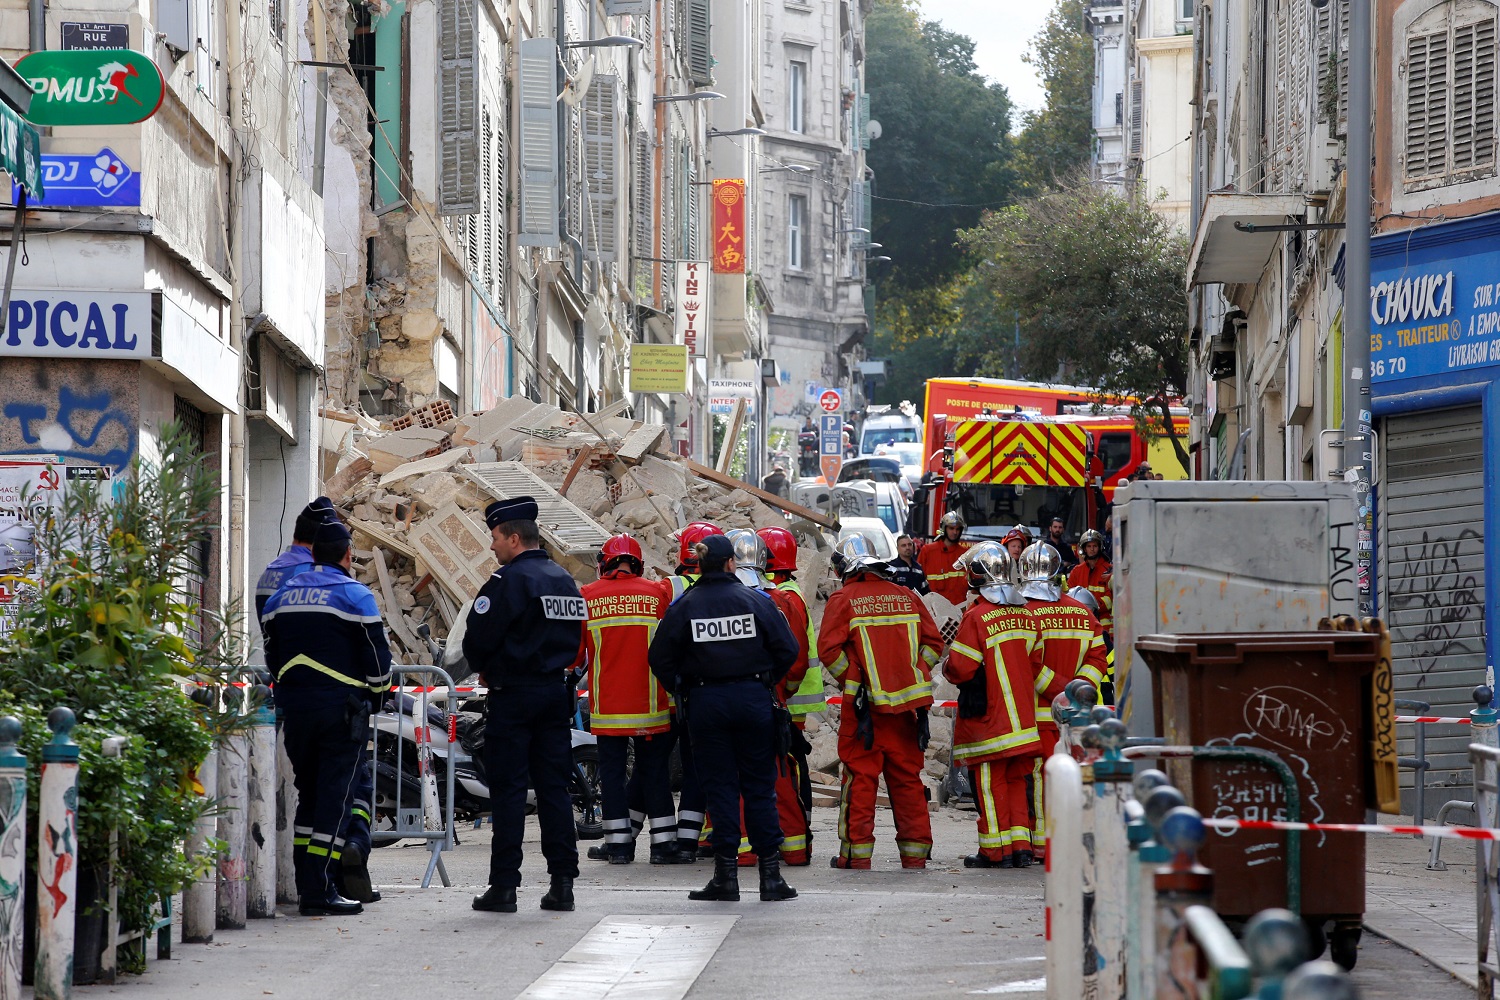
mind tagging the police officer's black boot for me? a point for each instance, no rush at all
(560, 896)
(496, 900)
(724, 887)
(772, 886)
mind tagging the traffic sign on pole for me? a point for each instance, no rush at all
(831, 401)
(831, 444)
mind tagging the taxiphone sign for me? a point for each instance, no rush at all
(1437, 320)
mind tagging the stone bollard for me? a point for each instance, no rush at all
(233, 829)
(199, 895)
(1111, 791)
(1140, 891)
(1088, 741)
(1064, 884)
(261, 845)
(57, 859)
(1180, 884)
(286, 812)
(1276, 941)
(1321, 980)
(12, 858)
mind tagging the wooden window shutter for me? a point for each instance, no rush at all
(1325, 50)
(1137, 117)
(572, 173)
(643, 230)
(615, 8)
(1473, 127)
(694, 224)
(458, 100)
(670, 206)
(1341, 41)
(700, 62)
(864, 121)
(1426, 103)
(1280, 133)
(500, 201)
(538, 166)
(601, 169)
(488, 263)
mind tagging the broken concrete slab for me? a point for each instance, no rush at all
(641, 442)
(397, 449)
(421, 467)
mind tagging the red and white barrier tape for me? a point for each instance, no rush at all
(1449, 832)
(1441, 719)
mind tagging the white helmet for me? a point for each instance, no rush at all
(1040, 565)
(1085, 596)
(951, 519)
(992, 572)
(855, 554)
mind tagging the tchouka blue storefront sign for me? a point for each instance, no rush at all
(1434, 304)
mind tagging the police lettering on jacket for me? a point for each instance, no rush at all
(294, 560)
(721, 630)
(324, 637)
(525, 625)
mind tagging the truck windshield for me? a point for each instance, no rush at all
(991, 511)
(874, 437)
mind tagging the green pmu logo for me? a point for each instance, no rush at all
(91, 87)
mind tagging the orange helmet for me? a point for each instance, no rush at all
(690, 536)
(783, 549)
(620, 548)
(1017, 534)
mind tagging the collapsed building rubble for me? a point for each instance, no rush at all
(414, 491)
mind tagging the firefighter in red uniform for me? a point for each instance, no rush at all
(880, 642)
(1015, 542)
(996, 661)
(1072, 646)
(1094, 572)
(937, 559)
(629, 706)
(793, 786)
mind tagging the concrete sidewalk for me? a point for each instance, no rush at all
(1430, 913)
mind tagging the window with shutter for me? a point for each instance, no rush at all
(1449, 129)
(643, 234)
(458, 102)
(1137, 118)
(700, 61)
(572, 173)
(694, 225)
(1327, 63)
(1341, 41)
(669, 203)
(601, 171)
(500, 207)
(538, 165)
(864, 121)
(1278, 134)
(484, 266)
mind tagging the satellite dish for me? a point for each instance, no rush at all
(575, 88)
(874, 129)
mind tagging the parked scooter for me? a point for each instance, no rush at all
(397, 753)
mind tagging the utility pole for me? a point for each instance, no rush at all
(1358, 442)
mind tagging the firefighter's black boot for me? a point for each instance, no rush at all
(772, 886)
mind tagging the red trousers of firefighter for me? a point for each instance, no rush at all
(789, 809)
(893, 753)
(1049, 737)
(1004, 812)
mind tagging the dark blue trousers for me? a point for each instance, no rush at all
(527, 742)
(734, 750)
(325, 755)
(647, 793)
(691, 805)
(364, 797)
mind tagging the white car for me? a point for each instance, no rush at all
(881, 539)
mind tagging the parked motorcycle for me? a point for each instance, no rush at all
(397, 755)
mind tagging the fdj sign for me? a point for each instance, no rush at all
(91, 87)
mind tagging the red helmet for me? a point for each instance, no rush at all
(619, 548)
(690, 536)
(782, 545)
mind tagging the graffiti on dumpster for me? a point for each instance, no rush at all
(1429, 577)
(79, 426)
(1342, 582)
(1292, 719)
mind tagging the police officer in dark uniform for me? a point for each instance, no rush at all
(522, 636)
(722, 647)
(326, 647)
(353, 879)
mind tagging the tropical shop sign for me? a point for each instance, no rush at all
(91, 87)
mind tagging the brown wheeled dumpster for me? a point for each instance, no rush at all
(1303, 696)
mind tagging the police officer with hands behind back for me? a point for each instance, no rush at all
(722, 647)
(326, 646)
(522, 636)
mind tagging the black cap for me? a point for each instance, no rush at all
(719, 551)
(514, 509)
(331, 531)
(311, 517)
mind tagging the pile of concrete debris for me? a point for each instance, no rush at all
(414, 491)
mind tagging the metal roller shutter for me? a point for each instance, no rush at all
(1431, 576)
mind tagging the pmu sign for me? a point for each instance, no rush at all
(91, 87)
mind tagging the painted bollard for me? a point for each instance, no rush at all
(261, 845)
(1111, 791)
(1156, 798)
(1179, 885)
(234, 770)
(1276, 941)
(12, 858)
(1064, 885)
(57, 859)
(198, 896)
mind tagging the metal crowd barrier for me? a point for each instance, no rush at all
(1485, 756)
(419, 813)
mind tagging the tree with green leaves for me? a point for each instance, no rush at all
(944, 151)
(1059, 138)
(1097, 283)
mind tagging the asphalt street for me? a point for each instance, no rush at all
(944, 932)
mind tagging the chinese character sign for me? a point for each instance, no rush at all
(729, 226)
(692, 303)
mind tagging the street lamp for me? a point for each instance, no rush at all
(605, 42)
(701, 95)
(856, 229)
(795, 168)
(714, 133)
(876, 260)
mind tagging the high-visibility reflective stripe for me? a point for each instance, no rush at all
(324, 852)
(858, 850)
(362, 814)
(875, 621)
(965, 649)
(914, 849)
(893, 699)
(1091, 674)
(1044, 679)
(929, 657)
(662, 718)
(300, 841)
(797, 843)
(1019, 833)
(1011, 633)
(963, 751)
(931, 577)
(303, 660)
(1083, 635)
(838, 666)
